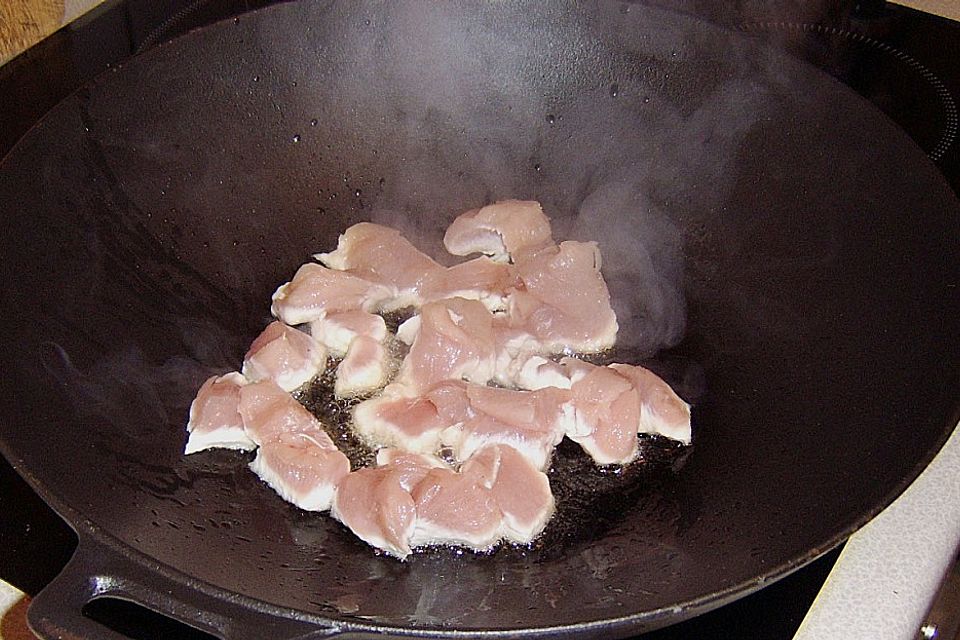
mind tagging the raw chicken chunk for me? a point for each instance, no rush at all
(411, 500)
(513, 346)
(612, 404)
(606, 413)
(215, 420)
(520, 490)
(382, 255)
(661, 409)
(285, 355)
(375, 503)
(296, 457)
(536, 372)
(303, 468)
(563, 301)
(408, 422)
(337, 330)
(364, 369)
(455, 508)
(451, 401)
(479, 279)
(466, 417)
(410, 468)
(533, 409)
(269, 412)
(502, 230)
(454, 341)
(532, 422)
(316, 291)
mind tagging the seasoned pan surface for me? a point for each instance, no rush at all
(776, 249)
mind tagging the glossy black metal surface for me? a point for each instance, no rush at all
(820, 318)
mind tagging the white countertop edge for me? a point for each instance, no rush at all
(889, 572)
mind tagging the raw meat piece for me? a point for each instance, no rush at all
(661, 409)
(465, 438)
(411, 500)
(612, 404)
(606, 412)
(373, 504)
(530, 409)
(455, 508)
(364, 368)
(563, 301)
(411, 422)
(337, 330)
(513, 346)
(407, 422)
(479, 279)
(215, 420)
(536, 372)
(303, 468)
(532, 422)
(285, 355)
(268, 412)
(502, 230)
(451, 401)
(410, 468)
(455, 341)
(519, 489)
(465, 417)
(382, 255)
(316, 291)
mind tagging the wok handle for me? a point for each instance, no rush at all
(97, 572)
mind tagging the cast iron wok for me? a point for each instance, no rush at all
(777, 249)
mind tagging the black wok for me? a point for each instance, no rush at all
(777, 249)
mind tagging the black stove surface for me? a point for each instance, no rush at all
(905, 62)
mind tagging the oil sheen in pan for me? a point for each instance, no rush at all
(589, 497)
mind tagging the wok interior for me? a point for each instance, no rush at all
(757, 244)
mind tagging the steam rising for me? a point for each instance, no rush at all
(625, 125)
(130, 387)
(620, 139)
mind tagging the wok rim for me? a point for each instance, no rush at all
(91, 536)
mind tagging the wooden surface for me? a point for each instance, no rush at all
(946, 8)
(23, 23)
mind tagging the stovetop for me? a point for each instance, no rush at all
(905, 62)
